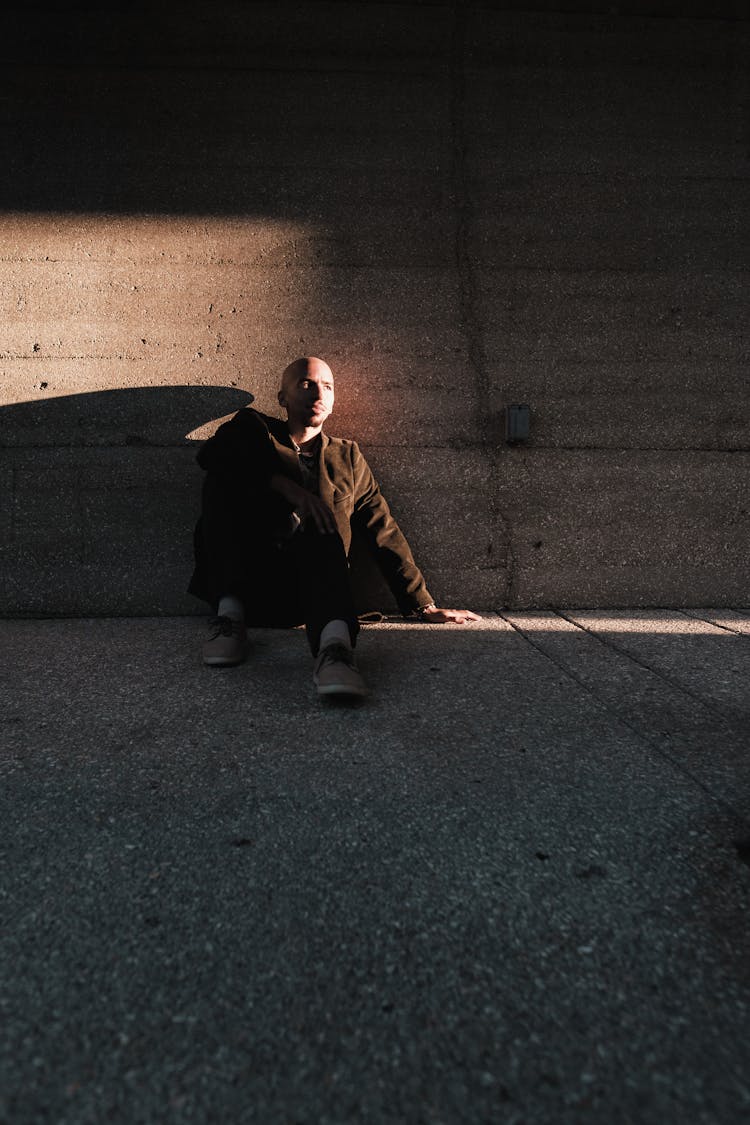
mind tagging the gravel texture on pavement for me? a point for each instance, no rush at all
(511, 886)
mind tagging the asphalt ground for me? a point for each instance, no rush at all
(512, 886)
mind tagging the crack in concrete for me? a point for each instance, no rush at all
(663, 676)
(13, 503)
(715, 624)
(470, 320)
(739, 815)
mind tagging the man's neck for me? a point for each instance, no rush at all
(304, 435)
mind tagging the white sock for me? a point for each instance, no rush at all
(335, 632)
(231, 607)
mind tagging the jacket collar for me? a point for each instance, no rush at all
(290, 460)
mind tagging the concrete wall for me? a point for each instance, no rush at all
(459, 207)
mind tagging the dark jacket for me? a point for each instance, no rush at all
(253, 447)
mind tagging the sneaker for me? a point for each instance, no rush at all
(336, 672)
(226, 642)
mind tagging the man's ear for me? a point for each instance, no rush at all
(282, 398)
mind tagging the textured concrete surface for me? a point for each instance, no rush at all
(460, 206)
(507, 888)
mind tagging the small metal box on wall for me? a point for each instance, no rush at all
(517, 421)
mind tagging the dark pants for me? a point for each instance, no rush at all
(245, 547)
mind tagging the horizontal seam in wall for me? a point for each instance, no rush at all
(155, 68)
(441, 447)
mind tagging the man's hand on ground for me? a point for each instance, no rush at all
(307, 506)
(447, 616)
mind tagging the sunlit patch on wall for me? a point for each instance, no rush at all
(96, 302)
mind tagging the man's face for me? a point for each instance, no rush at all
(307, 393)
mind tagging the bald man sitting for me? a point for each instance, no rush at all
(279, 502)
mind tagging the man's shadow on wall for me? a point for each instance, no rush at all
(101, 493)
(163, 417)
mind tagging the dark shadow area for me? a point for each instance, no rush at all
(131, 416)
(180, 108)
(176, 109)
(186, 108)
(101, 495)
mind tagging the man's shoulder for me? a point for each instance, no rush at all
(248, 415)
(343, 446)
(251, 419)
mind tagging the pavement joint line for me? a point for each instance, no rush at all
(621, 651)
(715, 624)
(642, 735)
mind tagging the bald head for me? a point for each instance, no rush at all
(307, 395)
(307, 367)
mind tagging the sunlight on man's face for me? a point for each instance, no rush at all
(307, 393)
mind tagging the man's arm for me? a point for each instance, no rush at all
(243, 447)
(392, 551)
(304, 503)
